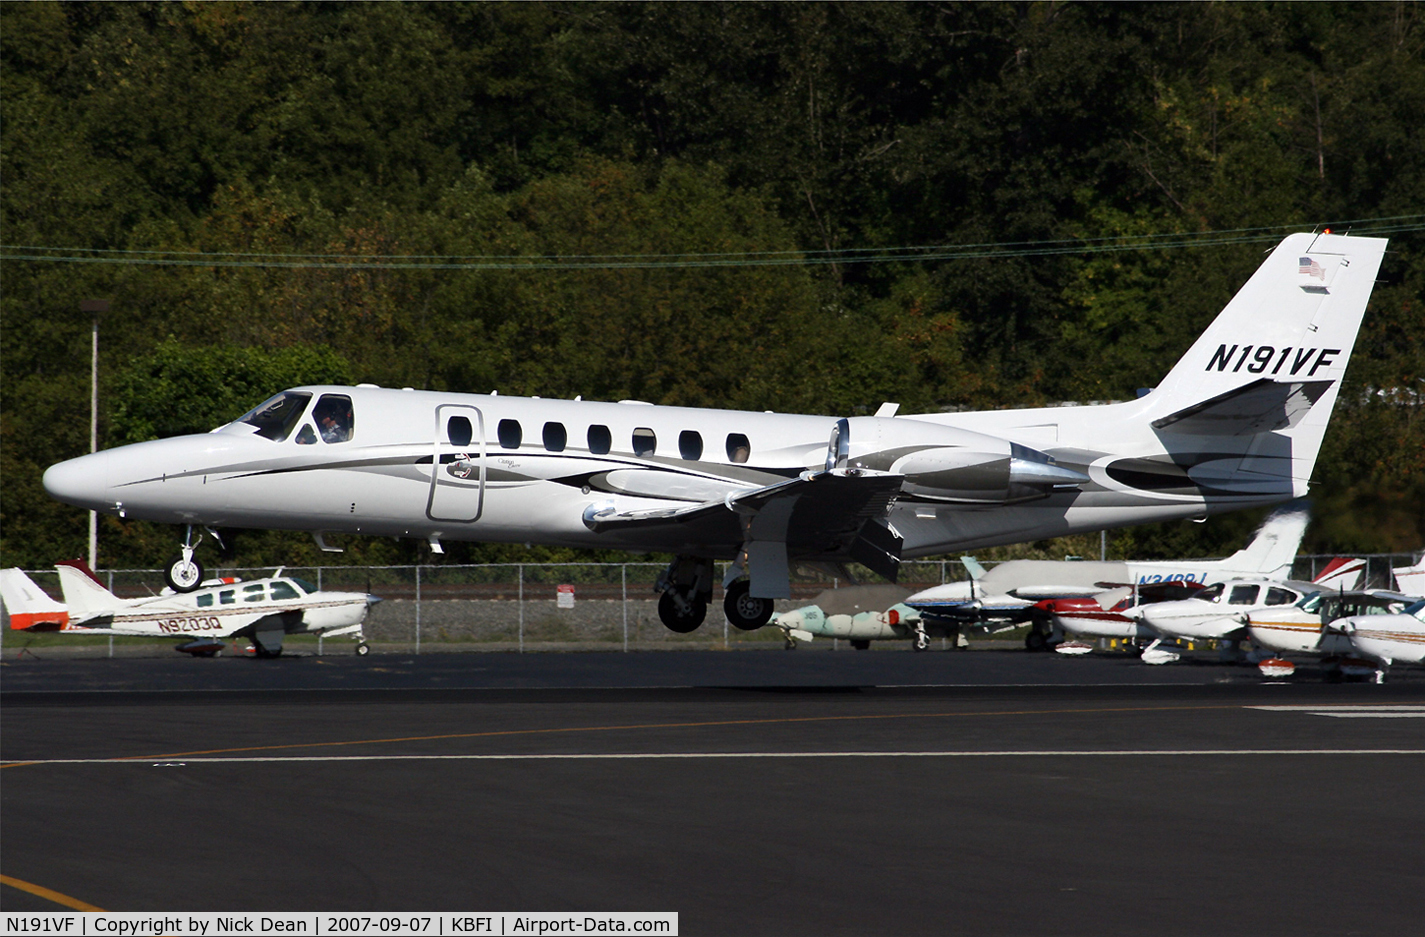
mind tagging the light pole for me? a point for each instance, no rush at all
(94, 306)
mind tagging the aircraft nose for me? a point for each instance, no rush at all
(82, 482)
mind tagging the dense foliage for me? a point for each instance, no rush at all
(777, 130)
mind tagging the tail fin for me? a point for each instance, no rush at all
(30, 607)
(1411, 579)
(83, 593)
(1341, 573)
(1263, 378)
(1274, 546)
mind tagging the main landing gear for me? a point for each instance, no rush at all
(744, 611)
(687, 588)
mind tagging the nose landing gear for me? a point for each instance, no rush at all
(183, 573)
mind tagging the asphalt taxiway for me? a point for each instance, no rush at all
(752, 792)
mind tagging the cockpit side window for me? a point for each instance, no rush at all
(275, 418)
(333, 417)
(306, 436)
(281, 590)
(1279, 596)
(1243, 595)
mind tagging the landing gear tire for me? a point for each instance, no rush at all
(363, 649)
(861, 644)
(743, 611)
(1036, 641)
(683, 622)
(183, 574)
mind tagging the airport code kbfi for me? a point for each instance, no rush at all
(134, 924)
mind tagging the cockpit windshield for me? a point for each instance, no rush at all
(275, 418)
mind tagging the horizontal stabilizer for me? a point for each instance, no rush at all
(1262, 406)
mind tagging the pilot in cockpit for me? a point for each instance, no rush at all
(333, 417)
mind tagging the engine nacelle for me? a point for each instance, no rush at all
(942, 463)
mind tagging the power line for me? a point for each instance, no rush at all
(688, 260)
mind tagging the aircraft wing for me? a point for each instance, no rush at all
(818, 515)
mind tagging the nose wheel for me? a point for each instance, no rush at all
(183, 573)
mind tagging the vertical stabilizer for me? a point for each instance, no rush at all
(1257, 389)
(1272, 550)
(1342, 573)
(83, 593)
(1411, 579)
(30, 606)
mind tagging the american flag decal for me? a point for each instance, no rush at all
(1309, 267)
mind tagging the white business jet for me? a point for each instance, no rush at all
(1237, 423)
(262, 610)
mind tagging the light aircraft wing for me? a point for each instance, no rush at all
(822, 515)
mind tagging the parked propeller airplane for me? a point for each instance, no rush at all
(1037, 590)
(261, 610)
(1328, 624)
(1237, 423)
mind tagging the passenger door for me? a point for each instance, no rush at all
(457, 481)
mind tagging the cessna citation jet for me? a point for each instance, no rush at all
(1237, 423)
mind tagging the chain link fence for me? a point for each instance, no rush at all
(560, 606)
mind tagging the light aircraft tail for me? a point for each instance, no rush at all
(1341, 574)
(29, 606)
(1262, 380)
(1274, 546)
(1410, 580)
(83, 593)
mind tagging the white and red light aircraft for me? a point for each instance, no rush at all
(262, 610)
(1237, 423)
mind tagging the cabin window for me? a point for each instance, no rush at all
(690, 445)
(600, 439)
(205, 600)
(332, 414)
(275, 418)
(226, 598)
(1243, 595)
(510, 434)
(555, 437)
(645, 443)
(1279, 596)
(306, 436)
(254, 592)
(459, 431)
(280, 590)
(739, 450)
